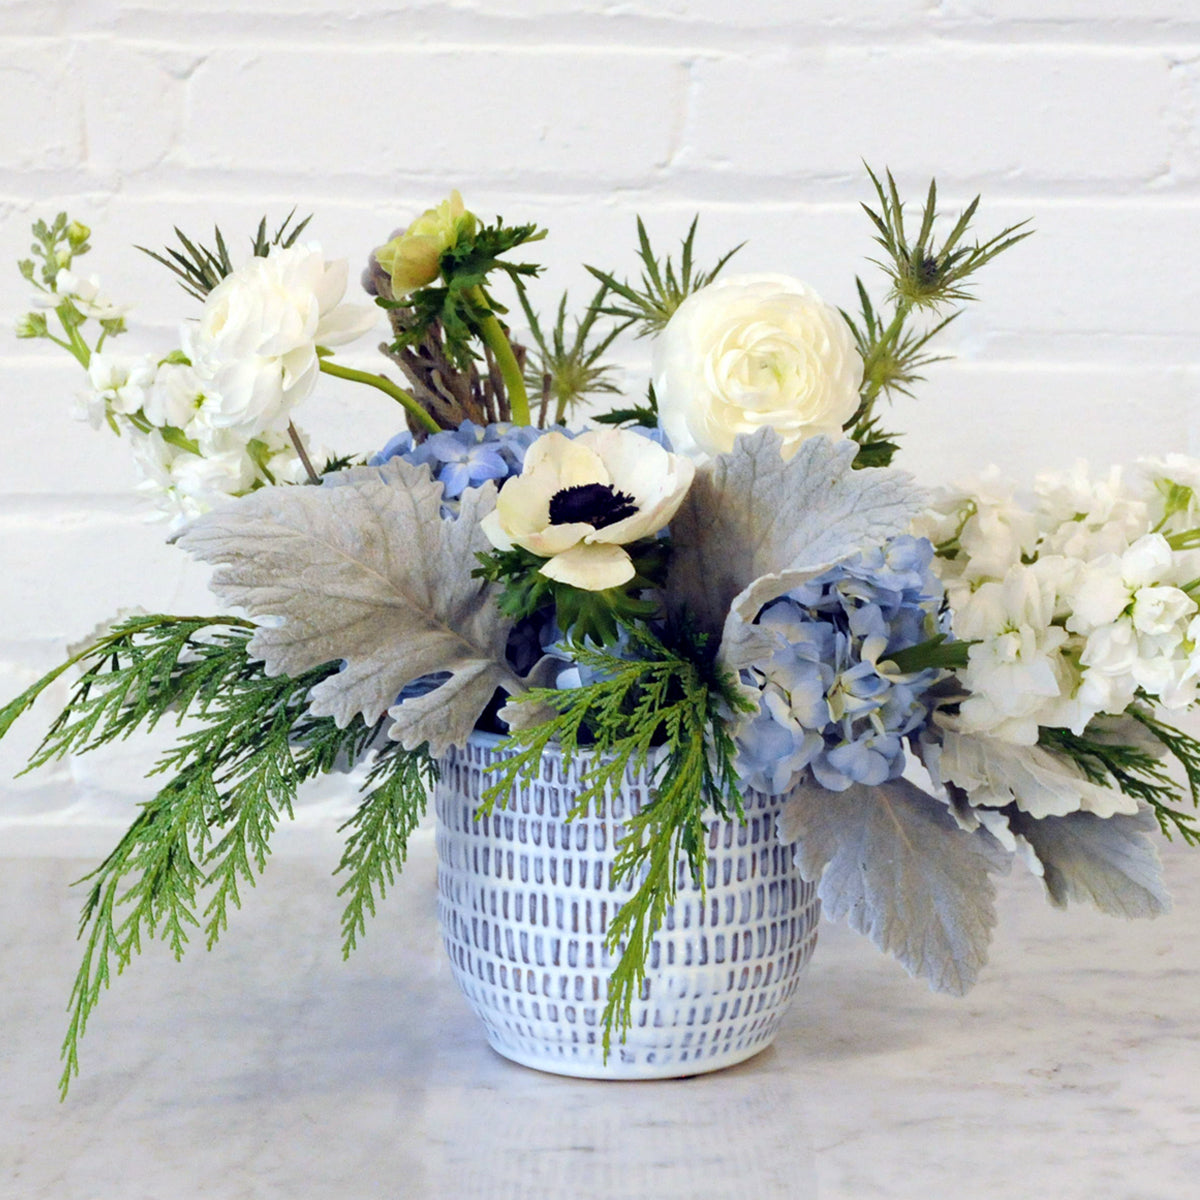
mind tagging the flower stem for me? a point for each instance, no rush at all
(497, 342)
(386, 386)
(298, 442)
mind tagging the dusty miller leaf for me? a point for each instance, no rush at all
(1108, 862)
(1042, 783)
(893, 862)
(367, 572)
(749, 514)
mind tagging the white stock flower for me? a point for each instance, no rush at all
(255, 347)
(120, 385)
(174, 397)
(750, 351)
(579, 501)
(86, 295)
(1015, 674)
(1085, 518)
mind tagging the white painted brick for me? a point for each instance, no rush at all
(70, 567)
(578, 114)
(1076, 12)
(1030, 418)
(44, 449)
(133, 102)
(41, 121)
(1024, 112)
(526, 111)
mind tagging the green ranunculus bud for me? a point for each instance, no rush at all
(413, 259)
(77, 235)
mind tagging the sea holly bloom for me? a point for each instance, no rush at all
(579, 501)
(413, 259)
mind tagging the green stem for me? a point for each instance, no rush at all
(497, 342)
(386, 386)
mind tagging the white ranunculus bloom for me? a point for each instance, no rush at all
(750, 351)
(255, 347)
(579, 501)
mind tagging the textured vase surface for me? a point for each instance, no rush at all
(524, 901)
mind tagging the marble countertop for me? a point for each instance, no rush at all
(270, 1068)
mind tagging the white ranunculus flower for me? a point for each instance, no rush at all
(255, 347)
(579, 501)
(750, 351)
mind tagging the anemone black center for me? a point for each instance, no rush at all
(596, 504)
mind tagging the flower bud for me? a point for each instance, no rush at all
(413, 259)
(77, 235)
(31, 325)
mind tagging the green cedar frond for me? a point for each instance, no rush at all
(399, 783)
(1137, 772)
(663, 710)
(663, 287)
(569, 370)
(232, 775)
(199, 269)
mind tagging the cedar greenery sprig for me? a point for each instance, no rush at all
(1136, 771)
(664, 709)
(663, 287)
(395, 795)
(233, 776)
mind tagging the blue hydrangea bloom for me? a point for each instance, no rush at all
(465, 457)
(829, 702)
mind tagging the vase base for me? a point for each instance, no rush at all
(622, 1067)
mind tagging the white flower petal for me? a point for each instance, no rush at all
(591, 567)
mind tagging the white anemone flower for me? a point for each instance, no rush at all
(579, 501)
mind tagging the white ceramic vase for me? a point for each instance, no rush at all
(524, 901)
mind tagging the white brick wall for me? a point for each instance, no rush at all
(136, 115)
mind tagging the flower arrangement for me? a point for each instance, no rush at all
(725, 583)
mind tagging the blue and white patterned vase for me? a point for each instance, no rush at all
(524, 902)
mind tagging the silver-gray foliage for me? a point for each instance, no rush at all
(1105, 861)
(367, 572)
(893, 862)
(749, 514)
